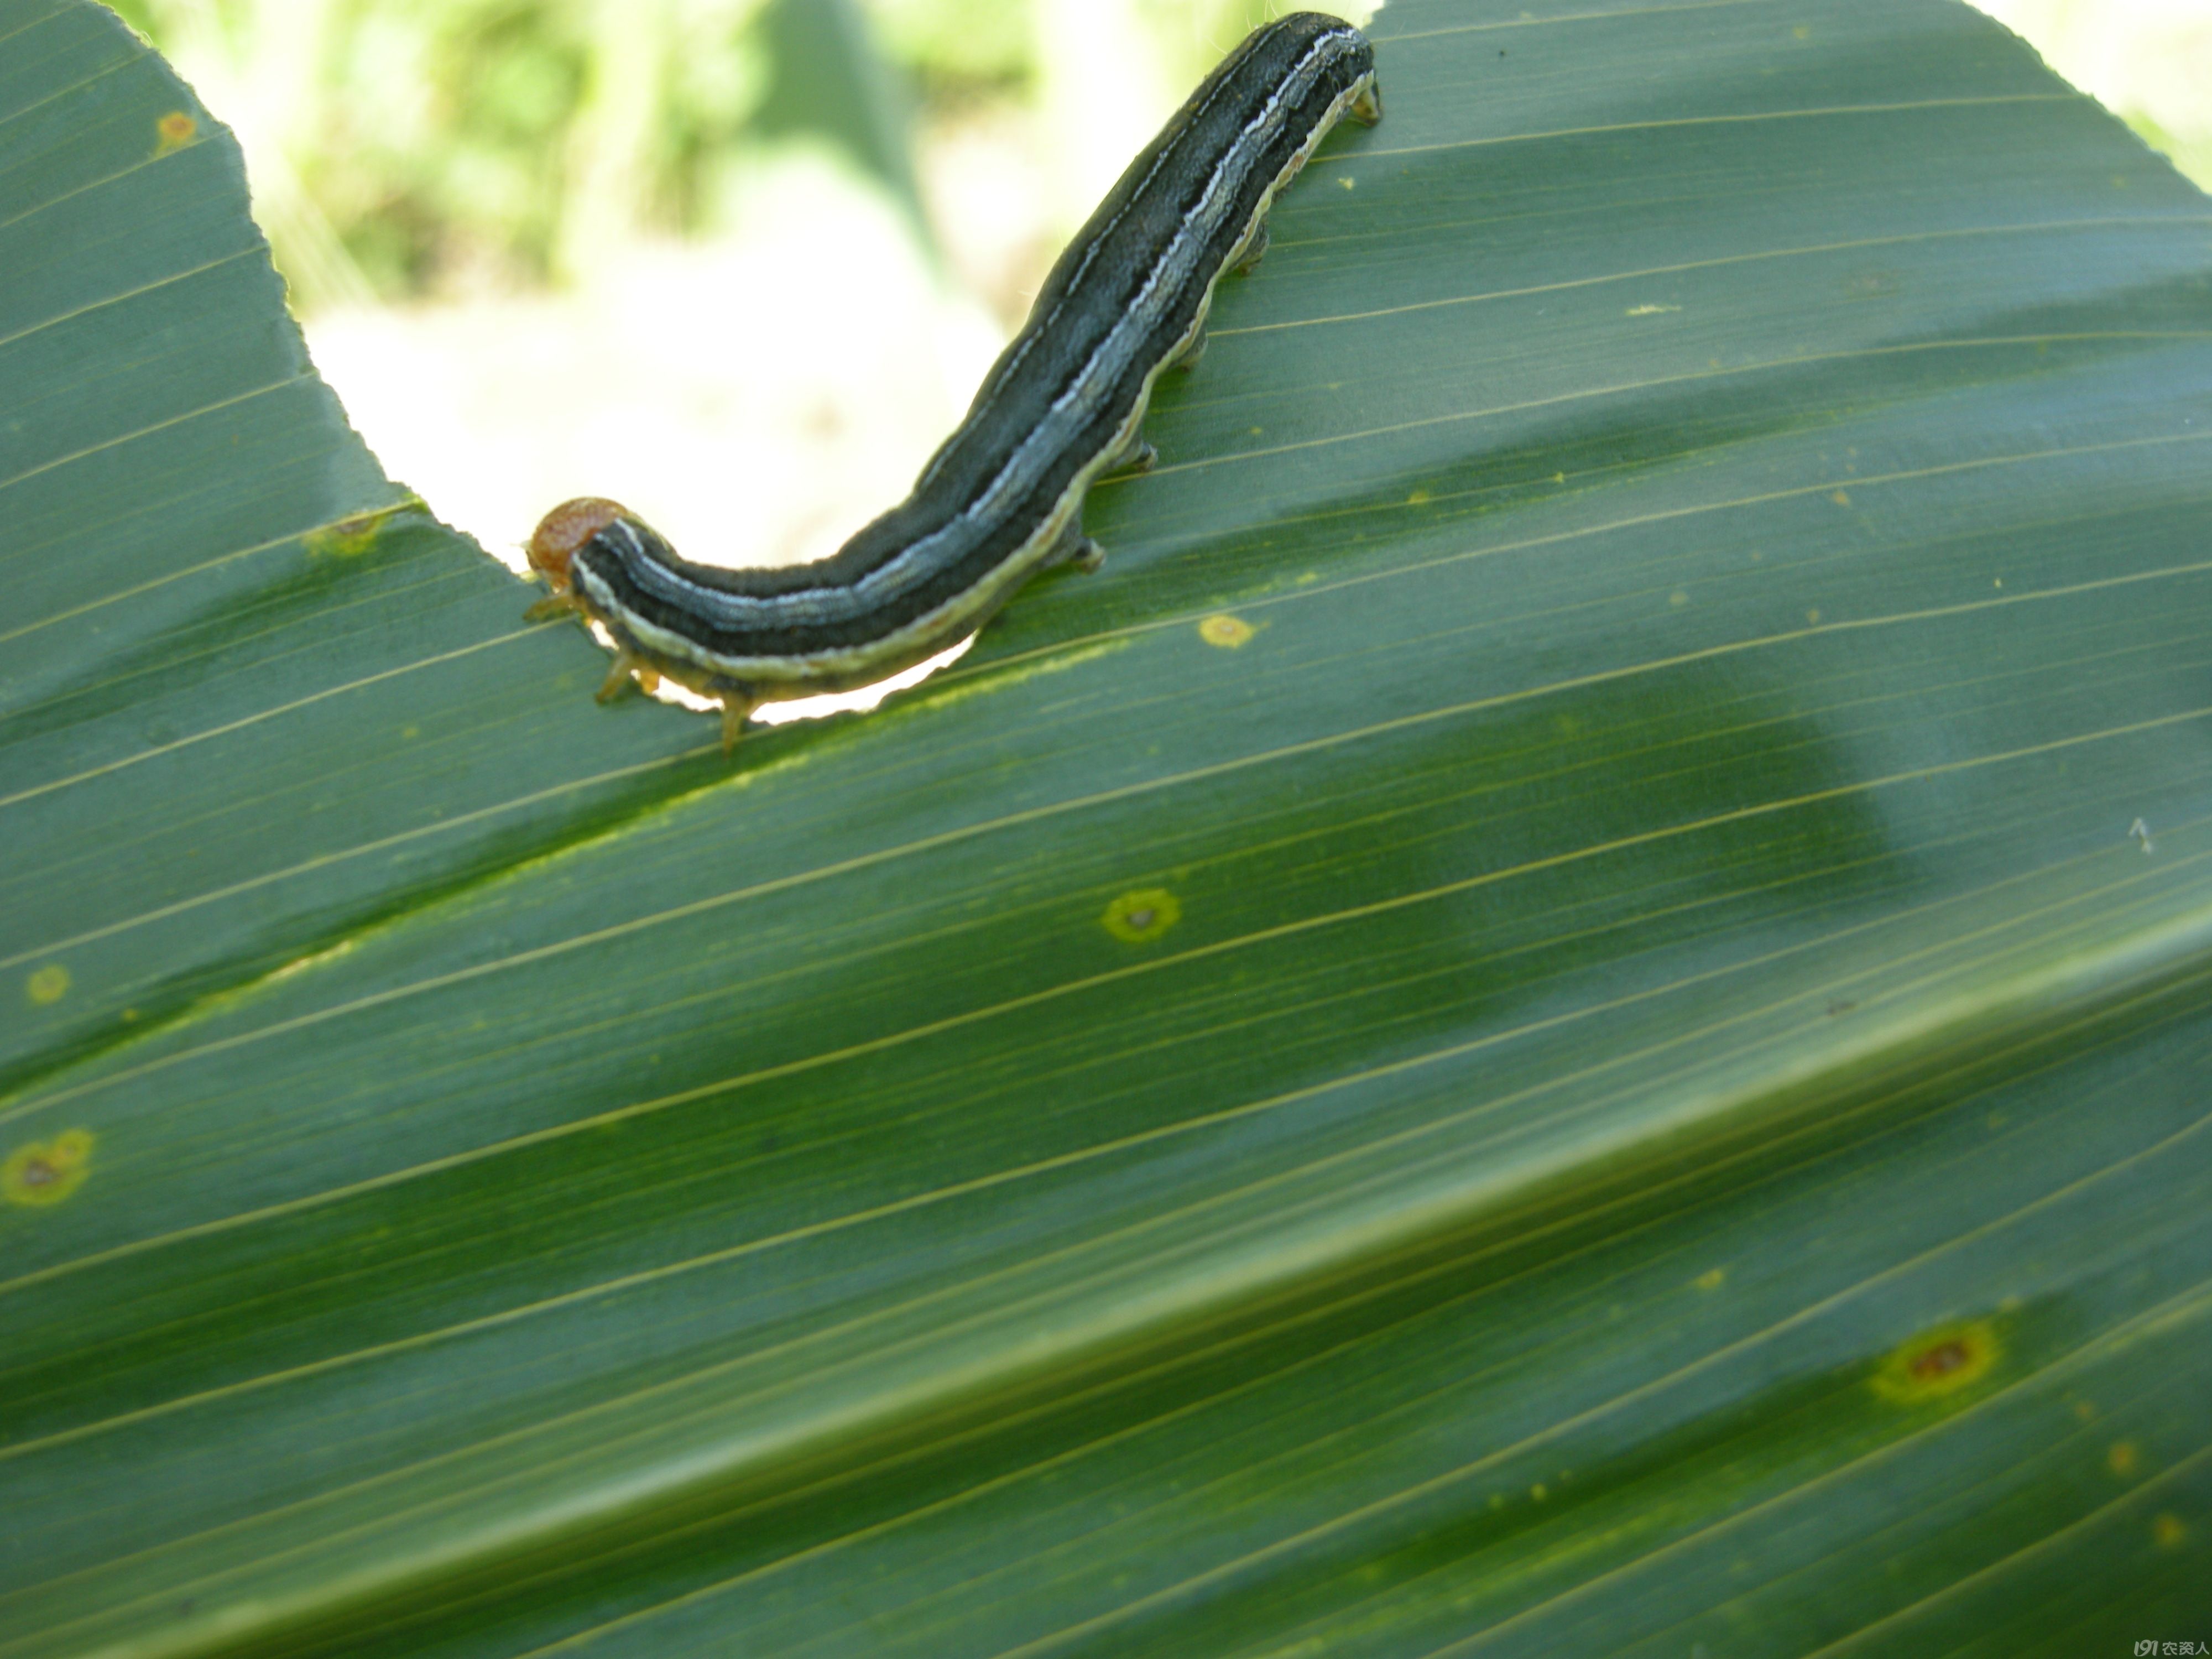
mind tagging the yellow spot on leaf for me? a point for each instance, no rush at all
(2168, 1531)
(1803, 31)
(1677, 599)
(1140, 917)
(1346, 183)
(2121, 1459)
(1841, 498)
(174, 131)
(47, 1171)
(1418, 498)
(1539, 1491)
(1225, 630)
(2084, 1409)
(1936, 1363)
(1812, 616)
(348, 538)
(1650, 311)
(1712, 1279)
(49, 985)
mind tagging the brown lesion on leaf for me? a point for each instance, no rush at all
(1140, 917)
(1938, 1362)
(42, 1172)
(174, 131)
(351, 537)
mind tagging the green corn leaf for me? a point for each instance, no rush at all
(1566, 1011)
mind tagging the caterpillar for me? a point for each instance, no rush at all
(1063, 406)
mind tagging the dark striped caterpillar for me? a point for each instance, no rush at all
(1064, 405)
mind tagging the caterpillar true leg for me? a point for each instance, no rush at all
(627, 663)
(551, 606)
(735, 709)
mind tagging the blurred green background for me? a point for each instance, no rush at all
(404, 149)
(740, 263)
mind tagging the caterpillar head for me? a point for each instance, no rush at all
(565, 529)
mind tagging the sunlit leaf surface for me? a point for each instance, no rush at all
(1565, 1012)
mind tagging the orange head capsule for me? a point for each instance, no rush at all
(565, 529)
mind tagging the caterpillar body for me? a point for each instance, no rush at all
(1064, 405)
